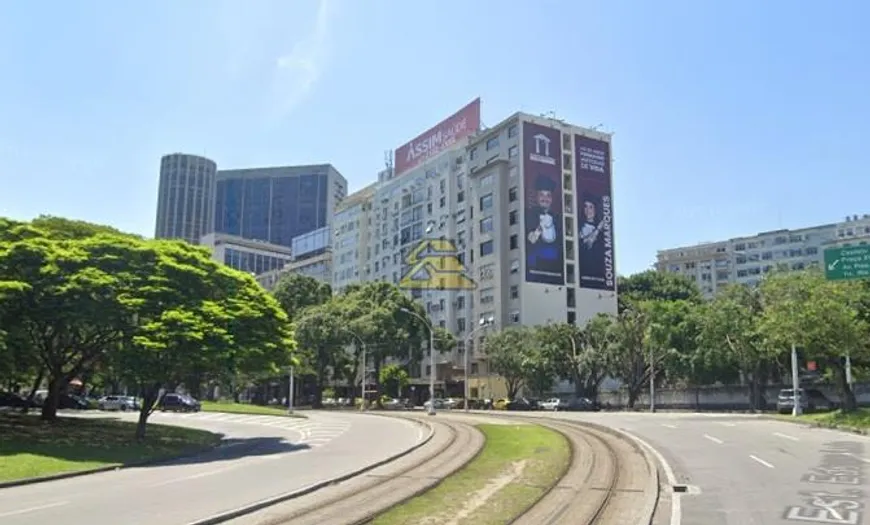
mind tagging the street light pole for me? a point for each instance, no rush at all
(431, 410)
(290, 391)
(796, 409)
(362, 405)
(483, 324)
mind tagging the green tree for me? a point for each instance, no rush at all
(507, 352)
(652, 285)
(395, 379)
(192, 316)
(322, 336)
(730, 333)
(71, 314)
(296, 292)
(820, 317)
(376, 312)
(583, 362)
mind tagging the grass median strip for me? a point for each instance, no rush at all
(30, 447)
(245, 408)
(857, 420)
(517, 465)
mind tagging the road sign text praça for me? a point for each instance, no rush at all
(847, 263)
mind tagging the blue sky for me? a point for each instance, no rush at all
(730, 117)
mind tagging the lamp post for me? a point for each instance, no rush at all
(431, 358)
(483, 324)
(290, 391)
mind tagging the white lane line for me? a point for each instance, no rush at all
(33, 509)
(728, 424)
(676, 497)
(714, 439)
(759, 460)
(785, 436)
(856, 456)
(669, 426)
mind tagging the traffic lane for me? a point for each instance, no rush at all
(750, 470)
(241, 443)
(185, 497)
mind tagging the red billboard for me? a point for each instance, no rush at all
(447, 133)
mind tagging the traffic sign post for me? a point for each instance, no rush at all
(851, 262)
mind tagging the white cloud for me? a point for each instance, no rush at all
(297, 72)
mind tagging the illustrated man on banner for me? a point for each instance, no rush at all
(591, 237)
(544, 248)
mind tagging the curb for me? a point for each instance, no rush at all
(810, 424)
(254, 507)
(117, 466)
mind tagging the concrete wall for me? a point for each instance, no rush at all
(728, 397)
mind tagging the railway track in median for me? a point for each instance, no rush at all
(611, 480)
(361, 499)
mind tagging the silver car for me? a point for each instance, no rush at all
(122, 403)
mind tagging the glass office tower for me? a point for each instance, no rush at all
(277, 204)
(185, 197)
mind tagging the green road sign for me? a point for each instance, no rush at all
(852, 262)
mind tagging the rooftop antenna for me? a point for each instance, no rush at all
(597, 127)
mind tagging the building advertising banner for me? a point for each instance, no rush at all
(595, 254)
(447, 133)
(542, 175)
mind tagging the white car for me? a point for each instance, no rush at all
(122, 403)
(551, 404)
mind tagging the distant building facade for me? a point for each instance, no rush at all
(277, 204)
(185, 197)
(247, 255)
(746, 260)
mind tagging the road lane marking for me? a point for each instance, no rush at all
(856, 456)
(713, 439)
(785, 436)
(676, 497)
(759, 460)
(669, 426)
(33, 509)
(728, 424)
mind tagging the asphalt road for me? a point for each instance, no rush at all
(264, 456)
(746, 470)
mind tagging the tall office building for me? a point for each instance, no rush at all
(277, 204)
(746, 260)
(185, 198)
(528, 206)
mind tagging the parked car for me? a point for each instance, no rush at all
(811, 400)
(522, 403)
(71, 402)
(579, 404)
(122, 403)
(179, 403)
(551, 404)
(13, 400)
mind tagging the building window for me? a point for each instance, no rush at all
(515, 316)
(486, 202)
(512, 194)
(572, 317)
(486, 225)
(473, 154)
(571, 298)
(514, 242)
(492, 143)
(513, 151)
(515, 292)
(512, 131)
(460, 197)
(486, 248)
(515, 266)
(513, 217)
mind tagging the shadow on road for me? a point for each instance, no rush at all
(30, 447)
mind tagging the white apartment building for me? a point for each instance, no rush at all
(745, 260)
(255, 257)
(475, 193)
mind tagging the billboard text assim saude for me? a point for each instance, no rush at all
(448, 132)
